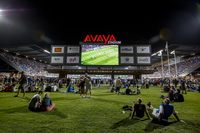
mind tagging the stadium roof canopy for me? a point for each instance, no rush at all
(31, 26)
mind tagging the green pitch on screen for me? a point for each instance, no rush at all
(104, 55)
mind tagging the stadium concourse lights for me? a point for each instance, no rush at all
(159, 53)
(173, 52)
(46, 51)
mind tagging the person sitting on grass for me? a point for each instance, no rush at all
(35, 103)
(139, 109)
(162, 114)
(178, 97)
(47, 104)
(128, 91)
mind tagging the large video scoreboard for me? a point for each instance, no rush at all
(101, 51)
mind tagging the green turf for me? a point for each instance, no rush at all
(107, 55)
(99, 114)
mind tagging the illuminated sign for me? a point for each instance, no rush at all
(73, 59)
(143, 50)
(126, 49)
(106, 39)
(73, 49)
(144, 60)
(57, 59)
(127, 60)
(57, 49)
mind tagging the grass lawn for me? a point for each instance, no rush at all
(100, 114)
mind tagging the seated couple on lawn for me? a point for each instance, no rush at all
(38, 105)
(160, 115)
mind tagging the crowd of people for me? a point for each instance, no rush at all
(158, 115)
(84, 85)
(30, 67)
(184, 67)
(175, 88)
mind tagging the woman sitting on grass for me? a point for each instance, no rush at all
(47, 104)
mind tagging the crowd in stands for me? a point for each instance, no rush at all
(30, 67)
(183, 68)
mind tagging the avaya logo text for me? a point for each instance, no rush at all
(106, 39)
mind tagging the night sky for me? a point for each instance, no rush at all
(67, 22)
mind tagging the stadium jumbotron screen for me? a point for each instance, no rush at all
(99, 55)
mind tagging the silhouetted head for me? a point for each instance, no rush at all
(46, 94)
(166, 101)
(139, 100)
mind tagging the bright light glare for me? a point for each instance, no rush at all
(173, 52)
(1, 12)
(46, 51)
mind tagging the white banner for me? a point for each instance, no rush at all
(72, 59)
(58, 49)
(126, 60)
(57, 59)
(73, 49)
(144, 60)
(126, 49)
(143, 50)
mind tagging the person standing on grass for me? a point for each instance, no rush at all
(22, 84)
(88, 85)
(118, 85)
(182, 87)
(81, 86)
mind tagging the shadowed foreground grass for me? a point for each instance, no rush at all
(100, 114)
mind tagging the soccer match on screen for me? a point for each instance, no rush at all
(99, 55)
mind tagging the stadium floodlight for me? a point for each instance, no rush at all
(160, 51)
(154, 54)
(46, 51)
(1, 12)
(173, 52)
